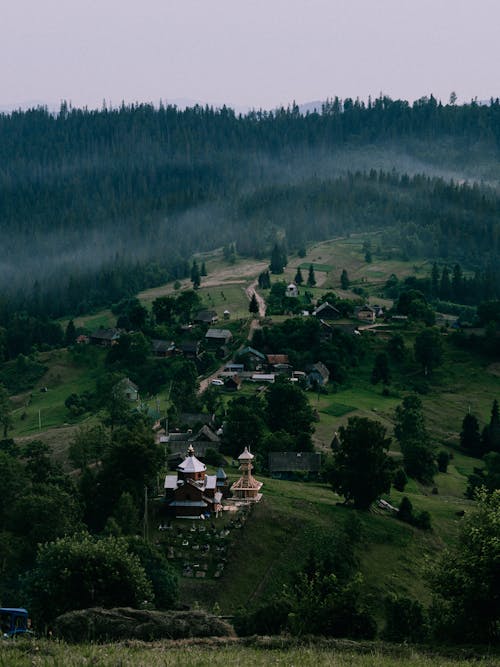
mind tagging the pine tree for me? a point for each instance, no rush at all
(491, 432)
(253, 306)
(311, 279)
(470, 438)
(278, 259)
(203, 271)
(195, 275)
(298, 277)
(70, 334)
(344, 280)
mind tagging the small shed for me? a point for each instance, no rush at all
(317, 373)
(327, 312)
(292, 290)
(366, 314)
(105, 337)
(206, 317)
(292, 465)
(218, 337)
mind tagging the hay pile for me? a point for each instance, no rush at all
(98, 624)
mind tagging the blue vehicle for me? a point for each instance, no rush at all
(14, 622)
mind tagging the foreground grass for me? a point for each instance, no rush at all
(264, 651)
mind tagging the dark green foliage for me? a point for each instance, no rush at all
(81, 571)
(464, 581)
(5, 411)
(21, 374)
(443, 459)
(311, 278)
(70, 334)
(362, 470)
(490, 439)
(487, 477)
(381, 372)
(421, 520)
(470, 438)
(244, 426)
(278, 259)
(131, 313)
(414, 304)
(344, 280)
(253, 306)
(163, 577)
(88, 445)
(264, 280)
(400, 480)
(195, 275)
(396, 348)
(429, 350)
(405, 620)
(414, 440)
(288, 409)
(299, 279)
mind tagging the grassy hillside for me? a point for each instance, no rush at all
(295, 517)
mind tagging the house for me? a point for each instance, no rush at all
(247, 488)
(190, 349)
(203, 440)
(279, 364)
(252, 358)
(105, 337)
(263, 377)
(218, 337)
(234, 368)
(290, 465)
(163, 348)
(206, 317)
(232, 383)
(325, 332)
(82, 339)
(366, 314)
(317, 373)
(130, 390)
(327, 312)
(191, 493)
(292, 290)
(227, 314)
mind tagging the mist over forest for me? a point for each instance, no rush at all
(96, 205)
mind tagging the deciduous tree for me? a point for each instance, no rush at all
(362, 469)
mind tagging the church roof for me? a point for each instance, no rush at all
(210, 482)
(245, 455)
(191, 463)
(170, 482)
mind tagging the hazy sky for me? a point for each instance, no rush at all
(246, 52)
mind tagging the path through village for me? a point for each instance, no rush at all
(254, 324)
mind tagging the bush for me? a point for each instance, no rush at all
(421, 520)
(443, 458)
(400, 480)
(405, 620)
(98, 624)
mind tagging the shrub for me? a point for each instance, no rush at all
(400, 480)
(405, 620)
(443, 458)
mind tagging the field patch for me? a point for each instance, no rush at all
(338, 409)
(317, 267)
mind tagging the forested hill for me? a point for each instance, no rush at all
(98, 204)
